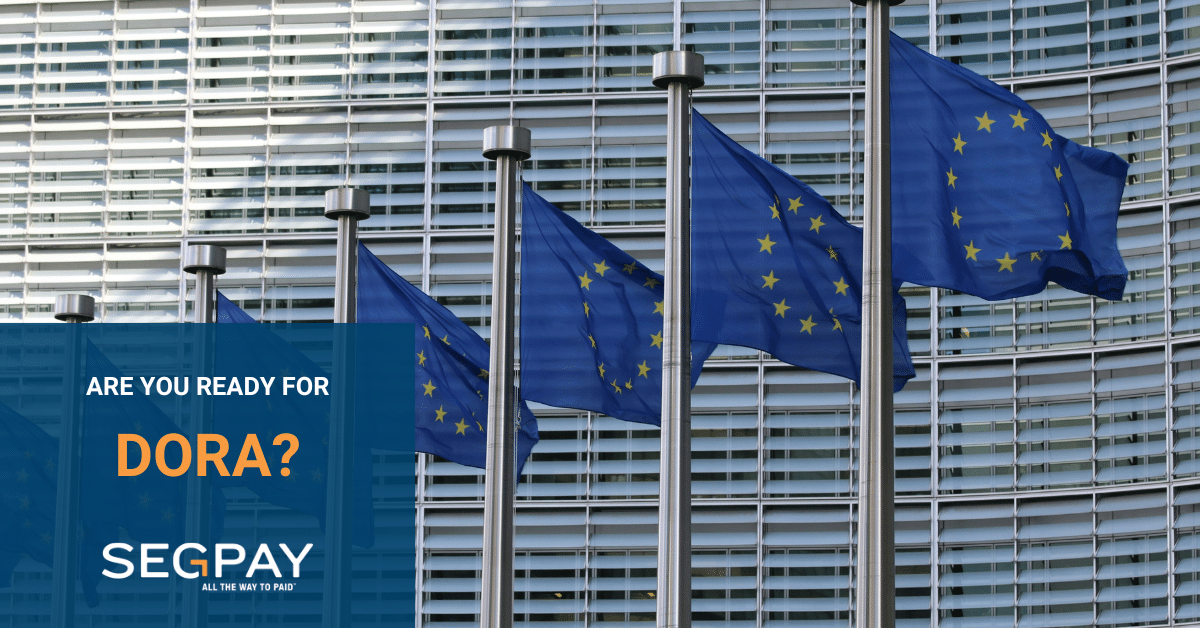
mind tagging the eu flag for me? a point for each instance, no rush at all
(591, 320)
(28, 489)
(451, 361)
(149, 506)
(229, 312)
(986, 198)
(774, 267)
(256, 351)
(28, 476)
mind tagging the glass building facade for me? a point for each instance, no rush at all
(1047, 453)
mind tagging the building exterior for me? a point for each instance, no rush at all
(1047, 468)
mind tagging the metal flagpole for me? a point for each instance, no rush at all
(206, 262)
(507, 145)
(679, 73)
(72, 308)
(347, 206)
(876, 590)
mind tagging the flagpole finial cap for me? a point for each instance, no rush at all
(502, 140)
(207, 257)
(863, 3)
(74, 308)
(678, 66)
(351, 202)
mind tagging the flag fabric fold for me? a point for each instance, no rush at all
(229, 312)
(28, 503)
(150, 505)
(28, 477)
(986, 198)
(254, 350)
(452, 362)
(774, 266)
(591, 320)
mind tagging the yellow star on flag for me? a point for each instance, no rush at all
(832, 253)
(781, 307)
(770, 280)
(600, 268)
(658, 308)
(816, 224)
(1019, 120)
(775, 212)
(601, 367)
(950, 179)
(1066, 240)
(421, 358)
(766, 243)
(956, 216)
(445, 339)
(587, 309)
(794, 205)
(1047, 140)
(643, 370)
(651, 282)
(841, 285)
(429, 388)
(808, 325)
(629, 268)
(483, 373)
(656, 340)
(441, 413)
(426, 330)
(1006, 263)
(593, 341)
(1058, 173)
(629, 384)
(462, 427)
(585, 282)
(985, 124)
(958, 144)
(1068, 208)
(1036, 255)
(971, 250)
(616, 387)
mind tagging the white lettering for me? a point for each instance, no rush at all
(148, 560)
(220, 561)
(108, 555)
(264, 551)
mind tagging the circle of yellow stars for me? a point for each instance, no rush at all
(1007, 262)
(766, 245)
(656, 340)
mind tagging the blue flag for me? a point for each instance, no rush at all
(591, 320)
(150, 505)
(28, 503)
(229, 312)
(451, 361)
(986, 198)
(255, 350)
(774, 267)
(28, 476)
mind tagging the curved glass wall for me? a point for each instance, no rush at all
(1048, 452)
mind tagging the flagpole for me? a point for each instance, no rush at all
(347, 206)
(678, 72)
(876, 575)
(71, 308)
(507, 145)
(206, 262)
